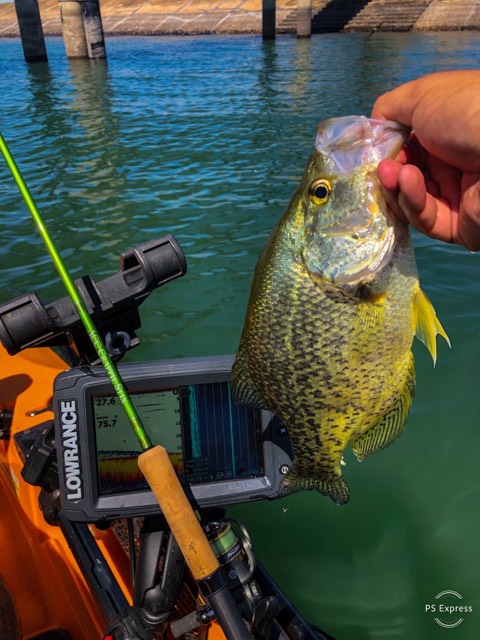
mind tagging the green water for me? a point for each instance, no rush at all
(207, 138)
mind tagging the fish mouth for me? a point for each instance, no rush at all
(351, 141)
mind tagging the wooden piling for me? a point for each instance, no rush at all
(31, 30)
(268, 19)
(92, 23)
(304, 19)
(72, 29)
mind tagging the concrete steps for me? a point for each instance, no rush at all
(369, 15)
(388, 16)
(288, 23)
(336, 14)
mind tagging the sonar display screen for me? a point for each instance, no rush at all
(207, 436)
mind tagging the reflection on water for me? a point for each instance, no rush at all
(207, 138)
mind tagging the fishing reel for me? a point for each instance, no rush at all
(162, 599)
(237, 562)
(235, 556)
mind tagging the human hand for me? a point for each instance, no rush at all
(434, 183)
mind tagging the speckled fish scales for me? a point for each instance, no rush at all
(334, 306)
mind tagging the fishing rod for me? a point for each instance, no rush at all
(154, 461)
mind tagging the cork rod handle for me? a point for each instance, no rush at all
(160, 475)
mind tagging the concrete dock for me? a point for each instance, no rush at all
(192, 17)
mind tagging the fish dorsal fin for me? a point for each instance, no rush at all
(391, 426)
(426, 323)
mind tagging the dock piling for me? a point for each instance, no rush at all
(31, 30)
(304, 19)
(72, 29)
(268, 19)
(92, 23)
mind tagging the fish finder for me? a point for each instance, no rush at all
(223, 453)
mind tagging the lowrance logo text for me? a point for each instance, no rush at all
(71, 458)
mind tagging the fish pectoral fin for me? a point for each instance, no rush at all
(369, 315)
(390, 427)
(426, 323)
(244, 390)
(368, 321)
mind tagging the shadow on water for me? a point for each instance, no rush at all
(44, 103)
(79, 158)
(267, 73)
(71, 153)
(97, 182)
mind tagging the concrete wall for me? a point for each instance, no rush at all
(145, 17)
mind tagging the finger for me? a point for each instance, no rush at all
(413, 200)
(413, 152)
(403, 156)
(430, 215)
(412, 192)
(444, 181)
(387, 172)
(469, 218)
(398, 104)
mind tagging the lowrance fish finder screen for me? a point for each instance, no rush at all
(223, 453)
(208, 438)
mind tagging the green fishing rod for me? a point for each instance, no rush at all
(154, 461)
(78, 303)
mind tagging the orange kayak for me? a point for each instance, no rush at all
(43, 592)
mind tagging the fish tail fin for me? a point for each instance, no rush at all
(333, 485)
(427, 325)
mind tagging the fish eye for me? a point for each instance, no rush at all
(319, 191)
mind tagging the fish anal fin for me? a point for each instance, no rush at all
(244, 390)
(426, 323)
(390, 427)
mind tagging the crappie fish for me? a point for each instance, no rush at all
(334, 306)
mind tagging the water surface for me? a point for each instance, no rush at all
(207, 138)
